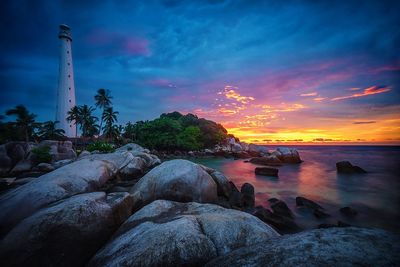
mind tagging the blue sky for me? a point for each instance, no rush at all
(301, 61)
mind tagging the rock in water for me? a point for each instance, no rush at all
(166, 233)
(288, 155)
(179, 180)
(67, 233)
(248, 197)
(322, 247)
(223, 185)
(302, 201)
(267, 171)
(347, 167)
(280, 208)
(85, 175)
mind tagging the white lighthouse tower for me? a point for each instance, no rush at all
(66, 87)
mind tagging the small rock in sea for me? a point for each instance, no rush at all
(348, 211)
(270, 160)
(320, 214)
(267, 171)
(302, 201)
(347, 167)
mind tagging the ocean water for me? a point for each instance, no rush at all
(375, 195)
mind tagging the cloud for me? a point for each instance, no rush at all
(309, 94)
(230, 93)
(367, 91)
(319, 99)
(364, 122)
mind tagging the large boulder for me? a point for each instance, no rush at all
(288, 155)
(67, 233)
(257, 148)
(5, 161)
(248, 197)
(236, 147)
(223, 185)
(85, 175)
(322, 247)
(348, 168)
(178, 180)
(166, 233)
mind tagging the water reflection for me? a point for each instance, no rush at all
(375, 195)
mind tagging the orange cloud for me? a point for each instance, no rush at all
(319, 99)
(232, 94)
(368, 91)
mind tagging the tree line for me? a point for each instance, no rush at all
(171, 131)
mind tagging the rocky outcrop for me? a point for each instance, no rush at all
(85, 175)
(348, 168)
(287, 155)
(132, 147)
(323, 247)
(178, 180)
(166, 233)
(266, 171)
(67, 233)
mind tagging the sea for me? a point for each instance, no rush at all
(375, 195)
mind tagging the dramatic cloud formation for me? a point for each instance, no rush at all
(293, 71)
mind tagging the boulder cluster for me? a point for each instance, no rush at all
(128, 209)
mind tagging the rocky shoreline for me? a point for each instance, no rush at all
(128, 208)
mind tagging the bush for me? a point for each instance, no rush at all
(100, 146)
(41, 154)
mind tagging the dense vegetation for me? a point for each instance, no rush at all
(176, 131)
(171, 131)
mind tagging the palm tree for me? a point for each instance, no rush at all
(25, 120)
(48, 130)
(109, 117)
(75, 117)
(103, 100)
(87, 120)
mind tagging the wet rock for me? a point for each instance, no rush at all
(280, 208)
(267, 171)
(321, 247)
(347, 167)
(248, 197)
(348, 211)
(302, 201)
(67, 233)
(166, 233)
(178, 180)
(282, 224)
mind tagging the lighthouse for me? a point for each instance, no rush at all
(66, 87)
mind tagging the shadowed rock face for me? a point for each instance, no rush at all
(323, 247)
(66, 233)
(178, 180)
(348, 168)
(166, 233)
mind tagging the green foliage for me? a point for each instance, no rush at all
(42, 154)
(176, 131)
(190, 138)
(24, 125)
(100, 146)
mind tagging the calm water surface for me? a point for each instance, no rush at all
(375, 195)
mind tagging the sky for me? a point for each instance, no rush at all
(292, 72)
